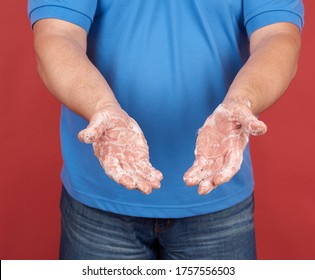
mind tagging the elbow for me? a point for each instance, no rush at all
(294, 70)
(39, 67)
(37, 48)
(42, 71)
(297, 44)
(39, 55)
(297, 48)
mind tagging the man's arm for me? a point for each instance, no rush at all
(270, 68)
(261, 81)
(117, 139)
(66, 70)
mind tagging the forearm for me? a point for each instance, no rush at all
(268, 72)
(70, 76)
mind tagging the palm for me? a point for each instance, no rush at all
(122, 150)
(124, 140)
(220, 146)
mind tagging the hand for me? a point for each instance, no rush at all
(221, 143)
(122, 150)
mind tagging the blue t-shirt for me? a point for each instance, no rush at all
(170, 64)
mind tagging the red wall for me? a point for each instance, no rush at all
(30, 159)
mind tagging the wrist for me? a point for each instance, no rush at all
(238, 100)
(103, 106)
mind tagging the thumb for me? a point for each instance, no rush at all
(252, 124)
(94, 130)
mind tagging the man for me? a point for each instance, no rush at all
(148, 74)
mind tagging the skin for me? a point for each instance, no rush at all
(117, 139)
(220, 145)
(122, 150)
(262, 80)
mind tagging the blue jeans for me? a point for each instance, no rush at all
(89, 233)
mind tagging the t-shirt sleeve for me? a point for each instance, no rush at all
(260, 13)
(79, 12)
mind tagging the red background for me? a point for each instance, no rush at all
(30, 159)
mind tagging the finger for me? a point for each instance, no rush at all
(233, 163)
(148, 170)
(225, 175)
(155, 183)
(206, 186)
(193, 175)
(114, 170)
(93, 132)
(207, 170)
(141, 182)
(156, 174)
(252, 124)
(149, 173)
(216, 166)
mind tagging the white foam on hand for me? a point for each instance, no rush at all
(220, 145)
(122, 149)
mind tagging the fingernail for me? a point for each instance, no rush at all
(218, 181)
(190, 181)
(203, 190)
(209, 190)
(147, 191)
